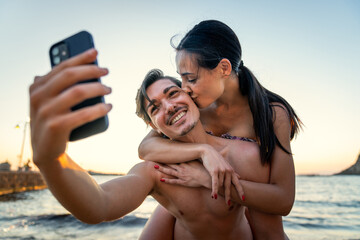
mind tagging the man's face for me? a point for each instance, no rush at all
(172, 111)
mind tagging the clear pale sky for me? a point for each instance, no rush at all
(306, 51)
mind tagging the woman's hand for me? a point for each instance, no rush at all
(51, 99)
(193, 174)
(189, 174)
(221, 172)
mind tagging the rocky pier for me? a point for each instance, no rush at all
(20, 181)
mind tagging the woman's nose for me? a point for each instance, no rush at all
(187, 89)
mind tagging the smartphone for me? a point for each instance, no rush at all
(70, 47)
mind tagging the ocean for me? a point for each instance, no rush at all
(326, 207)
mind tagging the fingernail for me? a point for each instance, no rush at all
(243, 197)
(109, 106)
(162, 180)
(92, 50)
(215, 196)
(156, 166)
(229, 202)
(104, 70)
(108, 89)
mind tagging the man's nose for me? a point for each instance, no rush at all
(169, 106)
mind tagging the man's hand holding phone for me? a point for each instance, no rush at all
(68, 48)
(52, 97)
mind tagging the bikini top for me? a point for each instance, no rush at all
(228, 136)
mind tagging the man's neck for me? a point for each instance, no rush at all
(196, 135)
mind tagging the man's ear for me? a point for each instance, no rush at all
(225, 66)
(155, 128)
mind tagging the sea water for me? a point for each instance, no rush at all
(326, 207)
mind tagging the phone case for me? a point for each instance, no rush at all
(67, 48)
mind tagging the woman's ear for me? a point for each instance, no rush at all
(225, 66)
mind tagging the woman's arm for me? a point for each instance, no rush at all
(192, 175)
(156, 148)
(259, 196)
(281, 186)
(159, 226)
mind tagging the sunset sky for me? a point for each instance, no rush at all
(306, 51)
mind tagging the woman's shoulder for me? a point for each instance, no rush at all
(280, 111)
(281, 120)
(277, 106)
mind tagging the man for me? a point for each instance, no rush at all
(172, 112)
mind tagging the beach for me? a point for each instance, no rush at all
(326, 207)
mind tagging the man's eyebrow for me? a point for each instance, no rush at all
(168, 88)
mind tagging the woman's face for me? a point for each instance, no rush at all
(203, 85)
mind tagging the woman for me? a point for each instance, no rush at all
(234, 103)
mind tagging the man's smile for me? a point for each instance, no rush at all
(177, 116)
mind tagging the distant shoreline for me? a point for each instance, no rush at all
(93, 173)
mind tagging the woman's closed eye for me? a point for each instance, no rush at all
(192, 80)
(189, 79)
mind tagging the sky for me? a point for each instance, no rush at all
(306, 51)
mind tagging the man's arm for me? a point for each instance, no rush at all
(51, 121)
(78, 192)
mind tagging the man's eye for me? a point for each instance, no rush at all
(153, 109)
(172, 93)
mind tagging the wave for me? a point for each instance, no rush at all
(349, 204)
(69, 220)
(318, 223)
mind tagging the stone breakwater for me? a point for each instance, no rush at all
(11, 181)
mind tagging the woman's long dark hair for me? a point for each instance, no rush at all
(212, 41)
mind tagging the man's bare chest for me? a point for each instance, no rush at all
(192, 203)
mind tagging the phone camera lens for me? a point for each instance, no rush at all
(55, 51)
(56, 60)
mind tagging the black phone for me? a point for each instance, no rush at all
(67, 48)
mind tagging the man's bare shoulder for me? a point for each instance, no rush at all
(145, 168)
